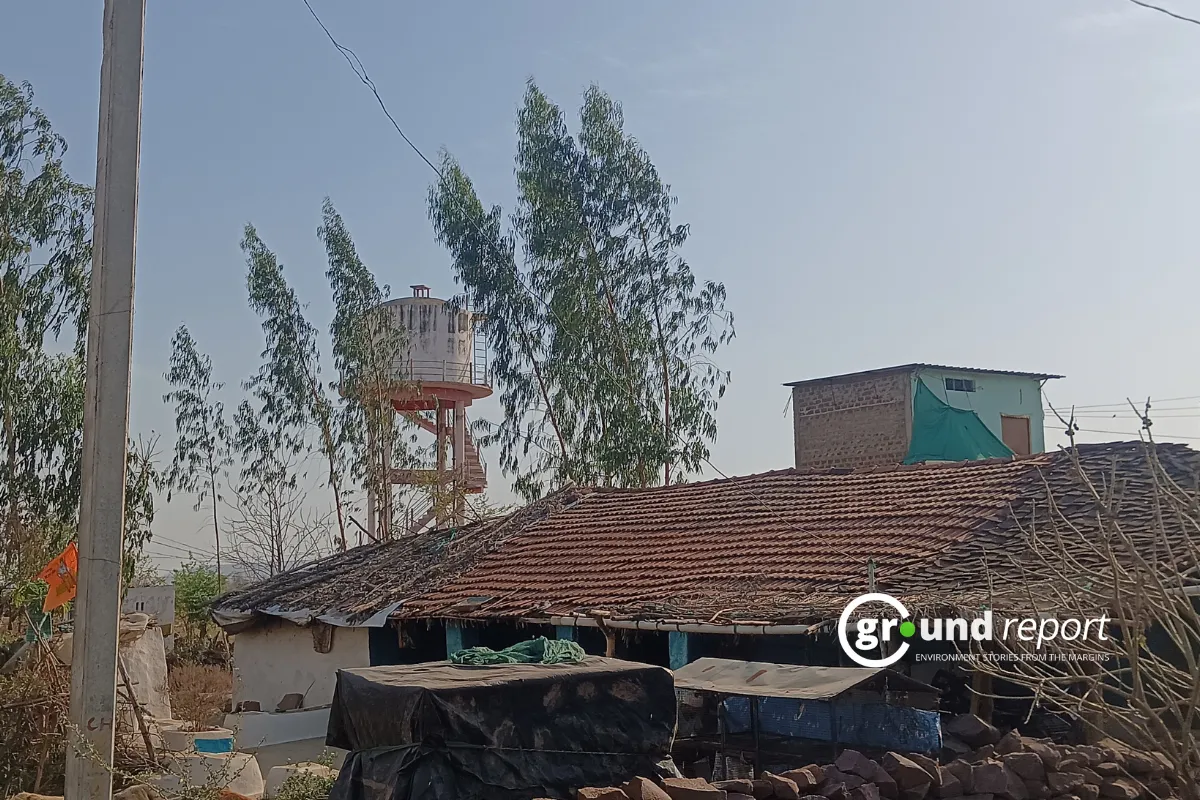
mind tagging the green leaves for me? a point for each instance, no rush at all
(45, 249)
(287, 386)
(602, 341)
(202, 444)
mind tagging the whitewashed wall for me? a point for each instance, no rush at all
(277, 659)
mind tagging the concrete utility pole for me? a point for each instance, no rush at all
(106, 409)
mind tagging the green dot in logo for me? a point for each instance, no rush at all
(907, 629)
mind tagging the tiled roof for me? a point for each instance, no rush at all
(784, 546)
(363, 581)
(915, 367)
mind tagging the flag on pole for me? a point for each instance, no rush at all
(61, 574)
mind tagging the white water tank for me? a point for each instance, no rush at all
(439, 341)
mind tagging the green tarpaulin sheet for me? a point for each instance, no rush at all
(535, 651)
(943, 433)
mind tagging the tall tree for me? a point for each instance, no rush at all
(203, 436)
(45, 248)
(367, 345)
(288, 385)
(602, 340)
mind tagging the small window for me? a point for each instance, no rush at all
(449, 323)
(960, 385)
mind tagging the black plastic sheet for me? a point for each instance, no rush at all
(508, 732)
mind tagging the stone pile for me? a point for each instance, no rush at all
(979, 764)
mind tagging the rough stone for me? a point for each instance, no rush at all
(977, 797)
(907, 773)
(1108, 769)
(972, 730)
(1038, 790)
(1160, 788)
(888, 788)
(1088, 791)
(868, 791)
(853, 762)
(931, 767)
(809, 777)
(955, 746)
(1063, 782)
(763, 789)
(606, 793)
(984, 753)
(645, 789)
(1049, 756)
(918, 792)
(739, 796)
(963, 772)
(1072, 763)
(1010, 743)
(735, 786)
(835, 791)
(1120, 789)
(1028, 766)
(1093, 754)
(1091, 776)
(833, 776)
(950, 786)
(992, 777)
(692, 789)
(781, 788)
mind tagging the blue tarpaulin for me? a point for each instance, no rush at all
(874, 725)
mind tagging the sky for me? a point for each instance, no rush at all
(999, 185)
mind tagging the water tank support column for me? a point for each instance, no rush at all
(371, 530)
(460, 458)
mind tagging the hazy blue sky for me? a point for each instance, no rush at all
(1004, 185)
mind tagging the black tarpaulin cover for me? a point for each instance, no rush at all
(505, 732)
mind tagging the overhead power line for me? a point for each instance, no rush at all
(1166, 11)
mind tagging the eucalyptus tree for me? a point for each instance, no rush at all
(603, 341)
(288, 386)
(367, 343)
(203, 437)
(45, 250)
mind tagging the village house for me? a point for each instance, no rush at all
(756, 568)
(916, 413)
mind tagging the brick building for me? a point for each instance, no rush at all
(866, 419)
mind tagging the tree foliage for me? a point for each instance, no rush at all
(287, 387)
(203, 438)
(45, 247)
(601, 338)
(196, 586)
(367, 344)
(45, 256)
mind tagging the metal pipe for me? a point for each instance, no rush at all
(681, 627)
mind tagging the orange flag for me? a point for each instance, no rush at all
(61, 574)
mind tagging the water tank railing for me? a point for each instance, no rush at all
(443, 371)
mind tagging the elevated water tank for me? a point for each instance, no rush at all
(443, 358)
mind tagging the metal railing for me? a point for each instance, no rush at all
(469, 372)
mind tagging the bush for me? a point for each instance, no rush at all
(307, 786)
(199, 693)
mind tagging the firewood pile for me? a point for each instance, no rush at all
(990, 766)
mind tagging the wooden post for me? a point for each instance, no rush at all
(982, 703)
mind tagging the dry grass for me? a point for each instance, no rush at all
(199, 693)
